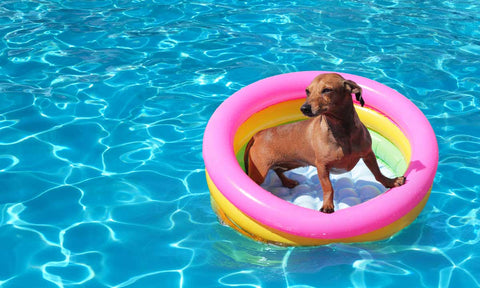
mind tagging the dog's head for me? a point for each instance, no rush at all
(329, 93)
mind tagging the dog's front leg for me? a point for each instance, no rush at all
(371, 162)
(324, 176)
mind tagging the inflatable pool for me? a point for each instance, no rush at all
(403, 139)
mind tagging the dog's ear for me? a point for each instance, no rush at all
(355, 89)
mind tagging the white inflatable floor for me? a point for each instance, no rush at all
(350, 188)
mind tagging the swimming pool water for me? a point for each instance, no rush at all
(103, 106)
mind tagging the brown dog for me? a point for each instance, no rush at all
(332, 140)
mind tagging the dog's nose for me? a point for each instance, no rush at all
(306, 110)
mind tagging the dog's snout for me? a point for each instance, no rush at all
(306, 110)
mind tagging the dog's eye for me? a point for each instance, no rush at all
(326, 90)
(308, 92)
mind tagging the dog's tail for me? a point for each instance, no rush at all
(246, 155)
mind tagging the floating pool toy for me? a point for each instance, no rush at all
(245, 206)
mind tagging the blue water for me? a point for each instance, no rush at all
(103, 106)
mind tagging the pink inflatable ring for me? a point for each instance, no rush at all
(245, 206)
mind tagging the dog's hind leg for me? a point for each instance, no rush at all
(256, 172)
(287, 182)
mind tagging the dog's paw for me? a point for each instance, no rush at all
(394, 182)
(399, 181)
(327, 210)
